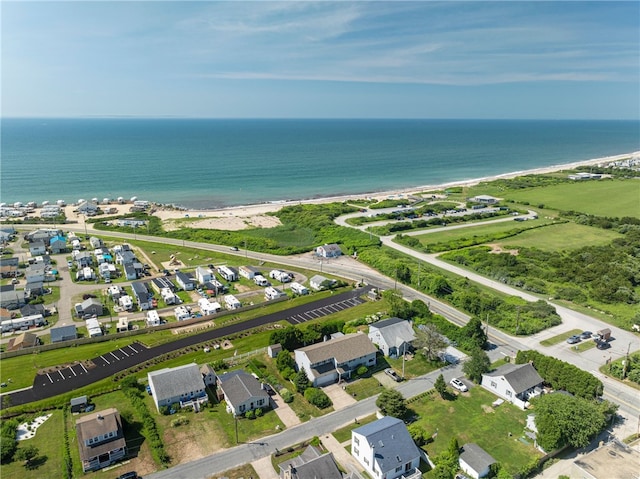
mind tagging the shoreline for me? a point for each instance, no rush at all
(256, 215)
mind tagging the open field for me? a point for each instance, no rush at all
(614, 198)
(470, 418)
(559, 237)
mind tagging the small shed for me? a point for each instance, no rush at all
(78, 404)
(274, 349)
(475, 461)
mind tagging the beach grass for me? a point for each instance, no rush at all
(559, 237)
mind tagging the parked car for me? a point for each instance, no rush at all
(585, 334)
(573, 339)
(459, 385)
(392, 374)
(128, 475)
(603, 345)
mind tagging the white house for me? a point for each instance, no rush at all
(142, 296)
(484, 199)
(475, 461)
(182, 385)
(248, 272)
(153, 319)
(330, 361)
(385, 449)
(232, 302)
(319, 282)
(182, 313)
(516, 383)
(272, 293)
(393, 336)
(208, 308)
(93, 327)
(203, 274)
(100, 439)
(168, 296)
(242, 392)
(297, 288)
(329, 251)
(126, 302)
(185, 281)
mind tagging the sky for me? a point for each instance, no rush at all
(263, 59)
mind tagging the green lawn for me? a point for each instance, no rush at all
(344, 434)
(615, 198)
(470, 418)
(364, 388)
(560, 337)
(48, 440)
(560, 237)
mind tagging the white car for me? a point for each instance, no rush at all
(459, 385)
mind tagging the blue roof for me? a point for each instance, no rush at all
(58, 238)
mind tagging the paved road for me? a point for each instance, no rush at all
(67, 379)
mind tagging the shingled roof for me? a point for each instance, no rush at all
(343, 349)
(521, 377)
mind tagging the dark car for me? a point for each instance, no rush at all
(603, 345)
(573, 339)
(586, 334)
(128, 475)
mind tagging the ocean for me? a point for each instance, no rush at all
(212, 163)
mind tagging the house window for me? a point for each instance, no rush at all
(355, 451)
(494, 384)
(399, 468)
(356, 440)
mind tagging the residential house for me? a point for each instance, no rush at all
(516, 383)
(107, 270)
(130, 272)
(63, 333)
(228, 273)
(475, 461)
(311, 464)
(37, 247)
(242, 392)
(88, 208)
(100, 439)
(115, 291)
(35, 273)
(297, 288)
(153, 318)
(214, 287)
(185, 281)
(386, 450)
(203, 274)
(23, 341)
(182, 385)
(58, 244)
(82, 258)
(169, 297)
(333, 360)
(393, 336)
(123, 325)
(95, 242)
(89, 307)
(158, 284)
(319, 282)
(33, 290)
(232, 302)
(329, 251)
(182, 313)
(12, 299)
(143, 298)
(125, 256)
(9, 267)
(126, 302)
(484, 199)
(248, 272)
(33, 309)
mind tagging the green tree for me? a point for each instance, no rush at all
(430, 341)
(317, 397)
(440, 385)
(396, 305)
(418, 434)
(391, 403)
(285, 360)
(474, 332)
(567, 420)
(27, 454)
(301, 381)
(478, 364)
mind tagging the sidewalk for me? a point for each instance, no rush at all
(340, 454)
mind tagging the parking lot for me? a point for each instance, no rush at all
(324, 310)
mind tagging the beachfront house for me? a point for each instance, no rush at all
(182, 385)
(385, 449)
(100, 439)
(330, 361)
(516, 383)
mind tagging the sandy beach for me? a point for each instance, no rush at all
(255, 216)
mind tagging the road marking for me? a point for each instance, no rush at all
(117, 358)
(105, 360)
(61, 375)
(133, 349)
(123, 352)
(74, 373)
(85, 369)
(50, 378)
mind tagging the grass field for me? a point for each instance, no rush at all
(560, 337)
(479, 230)
(565, 236)
(470, 418)
(615, 198)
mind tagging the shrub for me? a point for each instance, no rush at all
(287, 396)
(259, 412)
(317, 397)
(362, 370)
(179, 421)
(250, 414)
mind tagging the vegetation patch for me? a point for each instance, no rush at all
(560, 337)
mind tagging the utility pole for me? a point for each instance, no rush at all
(626, 363)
